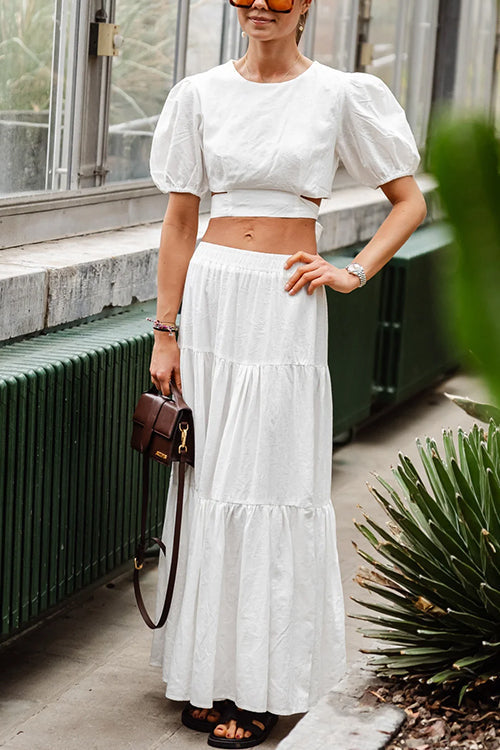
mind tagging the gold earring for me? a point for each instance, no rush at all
(301, 27)
(243, 34)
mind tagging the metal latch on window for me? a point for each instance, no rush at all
(365, 54)
(105, 39)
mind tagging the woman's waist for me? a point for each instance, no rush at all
(264, 234)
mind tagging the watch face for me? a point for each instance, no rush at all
(358, 271)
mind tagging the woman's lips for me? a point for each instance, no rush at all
(261, 21)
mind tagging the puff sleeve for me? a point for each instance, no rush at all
(176, 161)
(375, 142)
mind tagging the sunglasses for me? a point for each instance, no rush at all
(276, 6)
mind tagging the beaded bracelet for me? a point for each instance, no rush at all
(159, 325)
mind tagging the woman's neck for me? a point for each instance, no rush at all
(267, 61)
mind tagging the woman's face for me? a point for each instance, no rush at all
(263, 24)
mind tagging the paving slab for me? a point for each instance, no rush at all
(342, 722)
(347, 718)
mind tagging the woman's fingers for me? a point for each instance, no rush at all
(300, 257)
(177, 378)
(315, 268)
(317, 272)
(305, 278)
(161, 379)
(311, 265)
(165, 365)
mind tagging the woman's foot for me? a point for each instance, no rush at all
(202, 719)
(241, 729)
(232, 730)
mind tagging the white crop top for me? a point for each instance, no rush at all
(267, 147)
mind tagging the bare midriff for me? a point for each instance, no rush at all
(264, 234)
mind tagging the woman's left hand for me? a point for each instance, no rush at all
(316, 272)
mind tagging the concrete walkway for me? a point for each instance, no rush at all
(81, 680)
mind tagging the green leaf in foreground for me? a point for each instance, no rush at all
(464, 156)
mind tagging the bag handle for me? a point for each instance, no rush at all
(175, 395)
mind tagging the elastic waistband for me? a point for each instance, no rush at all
(277, 203)
(237, 257)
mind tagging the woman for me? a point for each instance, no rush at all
(256, 627)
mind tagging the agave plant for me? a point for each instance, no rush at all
(476, 409)
(437, 570)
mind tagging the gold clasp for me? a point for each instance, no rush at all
(136, 564)
(183, 427)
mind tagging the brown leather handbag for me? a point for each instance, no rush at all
(162, 431)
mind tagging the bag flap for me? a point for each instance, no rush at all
(156, 411)
(147, 413)
(167, 419)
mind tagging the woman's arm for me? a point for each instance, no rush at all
(178, 240)
(408, 212)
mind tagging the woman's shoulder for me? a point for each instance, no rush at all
(217, 74)
(351, 81)
(190, 89)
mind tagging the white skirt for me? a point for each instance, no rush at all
(257, 614)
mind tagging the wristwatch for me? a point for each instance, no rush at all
(358, 271)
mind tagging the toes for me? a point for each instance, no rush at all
(203, 713)
(195, 713)
(231, 730)
(213, 716)
(220, 730)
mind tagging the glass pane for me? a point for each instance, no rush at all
(141, 79)
(335, 33)
(26, 31)
(418, 68)
(205, 30)
(473, 87)
(383, 37)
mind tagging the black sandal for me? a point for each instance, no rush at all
(243, 719)
(202, 725)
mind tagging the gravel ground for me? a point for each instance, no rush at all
(434, 719)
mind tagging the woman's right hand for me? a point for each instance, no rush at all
(165, 362)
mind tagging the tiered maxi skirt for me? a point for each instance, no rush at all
(257, 614)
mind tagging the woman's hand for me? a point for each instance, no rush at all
(165, 362)
(316, 272)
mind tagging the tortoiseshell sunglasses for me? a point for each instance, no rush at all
(276, 6)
